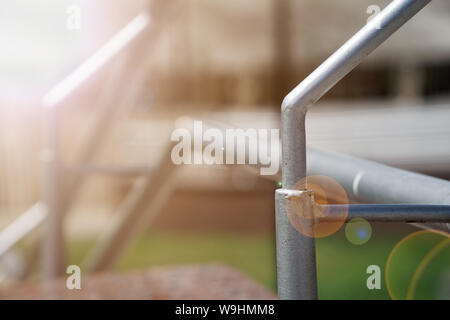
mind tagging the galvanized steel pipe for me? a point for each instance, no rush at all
(296, 269)
(392, 212)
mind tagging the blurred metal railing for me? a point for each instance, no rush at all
(20, 227)
(56, 174)
(296, 261)
(58, 194)
(412, 197)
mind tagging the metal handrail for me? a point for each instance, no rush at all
(296, 261)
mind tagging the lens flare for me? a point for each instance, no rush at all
(409, 259)
(358, 231)
(312, 220)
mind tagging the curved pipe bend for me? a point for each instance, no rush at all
(295, 105)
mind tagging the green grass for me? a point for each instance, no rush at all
(341, 265)
(252, 255)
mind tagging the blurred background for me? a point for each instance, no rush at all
(230, 61)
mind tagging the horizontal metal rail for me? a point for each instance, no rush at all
(391, 212)
(370, 182)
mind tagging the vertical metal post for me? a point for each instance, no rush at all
(296, 257)
(53, 245)
(296, 267)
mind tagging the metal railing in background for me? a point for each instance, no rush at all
(56, 197)
(20, 227)
(61, 181)
(51, 210)
(296, 261)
